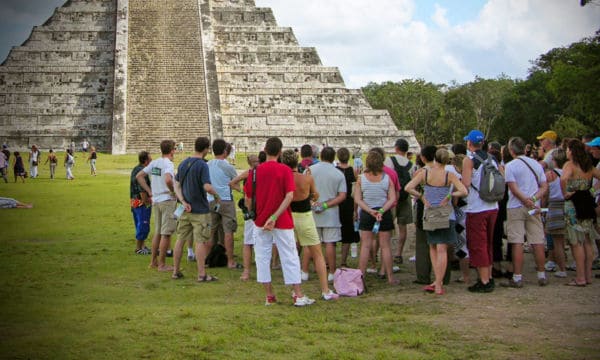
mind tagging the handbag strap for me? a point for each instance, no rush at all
(532, 171)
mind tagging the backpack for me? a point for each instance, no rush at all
(403, 177)
(491, 185)
(216, 257)
(348, 282)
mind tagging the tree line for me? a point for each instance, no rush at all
(561, 92)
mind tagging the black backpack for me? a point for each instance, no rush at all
(217, 256)
(403, 177)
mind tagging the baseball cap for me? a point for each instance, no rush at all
(594, 143)
(548, 134)
(475, 136)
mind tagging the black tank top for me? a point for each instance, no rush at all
(301, 206)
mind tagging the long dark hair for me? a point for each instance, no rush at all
(579, 156)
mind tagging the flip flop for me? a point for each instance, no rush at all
(206, 278)
(429, 288)
(236, 266)
(177, 275)
(574, 283)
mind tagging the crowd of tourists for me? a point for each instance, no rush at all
(34, 160)
(483, 205)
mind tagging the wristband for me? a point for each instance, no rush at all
(381, 211)
(533, 198)
(449, 196)
(325, 207)
(273, 217)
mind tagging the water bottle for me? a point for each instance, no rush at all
(354, 250)
(178, 211)
(376, 227)
(356, 225)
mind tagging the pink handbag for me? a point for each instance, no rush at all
(348, 282)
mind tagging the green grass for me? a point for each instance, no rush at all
(72, 288)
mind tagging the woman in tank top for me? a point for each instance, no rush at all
(438, 191)
(375, 195)
(555, 217)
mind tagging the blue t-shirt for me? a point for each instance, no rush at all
(194, 173)
(221, 173)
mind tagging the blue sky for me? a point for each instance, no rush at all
(439, 41)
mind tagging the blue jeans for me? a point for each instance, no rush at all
(141, 220)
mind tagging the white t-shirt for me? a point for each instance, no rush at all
(474, 203)
(517, 172)
(402, 161)
(554, 189)
(329, 181)
(157, 170)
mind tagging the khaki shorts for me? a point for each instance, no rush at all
(329, 234)
(164, 221)
(404, 212)
(194, 226)
(520, 224)
(305, 230)
(225, 217)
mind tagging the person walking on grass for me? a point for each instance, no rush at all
(34, 159)
(92, 160)
(69, 163)
(19, 167)
(192, 184)
(527, 185)
(141, 204)
(53, 161)
(305, 230)
(161, 173)
(274, 193)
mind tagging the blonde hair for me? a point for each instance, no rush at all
(442, 156)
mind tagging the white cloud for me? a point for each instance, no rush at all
(385, 41)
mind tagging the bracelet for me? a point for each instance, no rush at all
(533, 198)
(449, 196)
(273, 217)
(325, 206)
(381, 211)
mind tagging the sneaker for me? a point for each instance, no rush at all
(572, 267)
(560, 274)
(480, 287)
(513, 284)
(270, 300)
(191, 258)
(412, 259)
(371, 271)
(303, 301)
(330, 277)
(395, 268)
(144, 251)
(169, 253)
(330, 296)
(542, 281)
(303, 275)
(550, 265)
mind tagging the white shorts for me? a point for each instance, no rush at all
(329, 234)
(249, 232)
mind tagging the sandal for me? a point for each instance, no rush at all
(177, 275)
(245, 277)
(429, 288)
(206, 278)
(575, 283)
(236, 266)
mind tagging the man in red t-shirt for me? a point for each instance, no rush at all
(274, 192)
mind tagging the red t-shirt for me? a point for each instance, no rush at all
(273, 182)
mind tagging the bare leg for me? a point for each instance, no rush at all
(155, 245)
(366, 238)
(165, 244)
(401, 239)
(177, 252)
(588, 249)
(247, 252)
(345, 249)
(320, 267)
(559, 252)
(517, 253)
(306, 257)
(228, 240)
(579, 256)
(202, 250)
(439, 260)
(386, 255)
(540, 257)
(465, 270)
(330, 253)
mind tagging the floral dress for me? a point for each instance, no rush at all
(578, 228)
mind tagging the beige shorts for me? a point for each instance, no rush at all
(404, 212)
(305, 230)
(194, 226)
(164, 221)
(225, 217)
(520, 224)
(329, 234)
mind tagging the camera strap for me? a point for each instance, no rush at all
(253, 208)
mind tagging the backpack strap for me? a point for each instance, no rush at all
(537, 180)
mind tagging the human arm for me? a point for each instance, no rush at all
(314, 194)
(287, 200)
(526, 201)
(411, 187)
(179, 193)
(467, 172)
(459, 189)
(140, 178)
(235, 183)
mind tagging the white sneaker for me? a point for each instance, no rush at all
(303, 275)
(330, 277)
(560, 274)
(371, 271)
(412, 259)
(395, 268)
(191, 258)
(303, 301)
(550, 265)
(330, 296)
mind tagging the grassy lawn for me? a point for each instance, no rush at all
(72, 288)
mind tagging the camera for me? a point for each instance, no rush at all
(248, 214)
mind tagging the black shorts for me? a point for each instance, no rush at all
(367, 221)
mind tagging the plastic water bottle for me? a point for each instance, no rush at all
(376, 227)
(354, 250)
(356, 225)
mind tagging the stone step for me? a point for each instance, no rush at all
(291, 91)
(293, 100)
(246, 16)
(233, 3)
(282, 55)
(255, 35)
(316, 111)
(32, 57)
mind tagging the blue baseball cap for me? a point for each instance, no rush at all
(595, 142)
(475, 136)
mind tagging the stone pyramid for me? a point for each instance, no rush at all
(126, 74)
